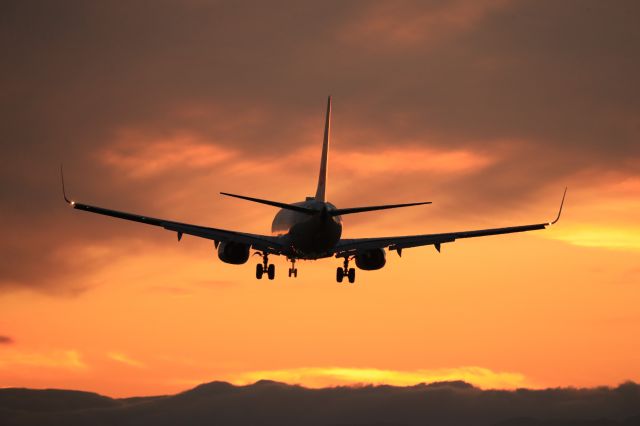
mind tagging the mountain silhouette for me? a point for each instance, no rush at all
(274, 403)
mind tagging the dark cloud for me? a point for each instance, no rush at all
(554, 82)
(267, 402)
(6, 340)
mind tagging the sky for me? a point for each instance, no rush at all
(486, 108)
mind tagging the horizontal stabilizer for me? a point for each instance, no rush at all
(273, 203)
(340, 212)
(337, 212)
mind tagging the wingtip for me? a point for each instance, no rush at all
(64, 192)
(560, 210)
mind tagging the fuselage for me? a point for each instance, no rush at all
(310, 236)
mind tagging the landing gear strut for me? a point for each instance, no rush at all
(345, 271)
(265, 267)
(293, 271)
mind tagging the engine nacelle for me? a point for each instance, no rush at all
(371, 260)
(234, 253)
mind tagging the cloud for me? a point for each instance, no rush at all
(409, 24)
(602, 214)
(124, 359)
(6, 340)
(57, 359)
(56, 266)
(593, 235)
(315, 377)
(411, 160)
(143, 158)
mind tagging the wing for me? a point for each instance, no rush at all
(348, 247)
(264, 243)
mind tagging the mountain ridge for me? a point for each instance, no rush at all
(269, 402)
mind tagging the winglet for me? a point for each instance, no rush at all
(64, 193)
(559, 211)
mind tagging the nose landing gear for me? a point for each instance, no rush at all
(265, 267)
(345, 271)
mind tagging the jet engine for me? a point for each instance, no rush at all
(371, 260)
(234, 253)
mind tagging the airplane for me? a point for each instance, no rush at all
(308, 230)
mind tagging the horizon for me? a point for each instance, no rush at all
(353, 386)
(269, 402)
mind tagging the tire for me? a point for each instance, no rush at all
(271, 271)
(259, 271)
(339, 275)
(290, 272)
(352, 275)
(295, 273)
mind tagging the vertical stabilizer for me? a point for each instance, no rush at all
(322, 179)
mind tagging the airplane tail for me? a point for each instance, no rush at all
(322, 178)
(322, 186)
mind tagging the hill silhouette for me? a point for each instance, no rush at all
(273, 403)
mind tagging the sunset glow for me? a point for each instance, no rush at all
(328, 377)
(488, 109)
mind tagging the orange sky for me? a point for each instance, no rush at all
(431, 102)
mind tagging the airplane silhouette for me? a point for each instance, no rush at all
(309, 229)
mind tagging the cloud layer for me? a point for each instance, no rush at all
(524, 96)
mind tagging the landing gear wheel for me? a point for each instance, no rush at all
(259, 271)
(352, 275)
(271, 271)
(345, 271)
(293, 271)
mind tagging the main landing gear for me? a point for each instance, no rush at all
(345, 271)
(293, 271)
(265, 267)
